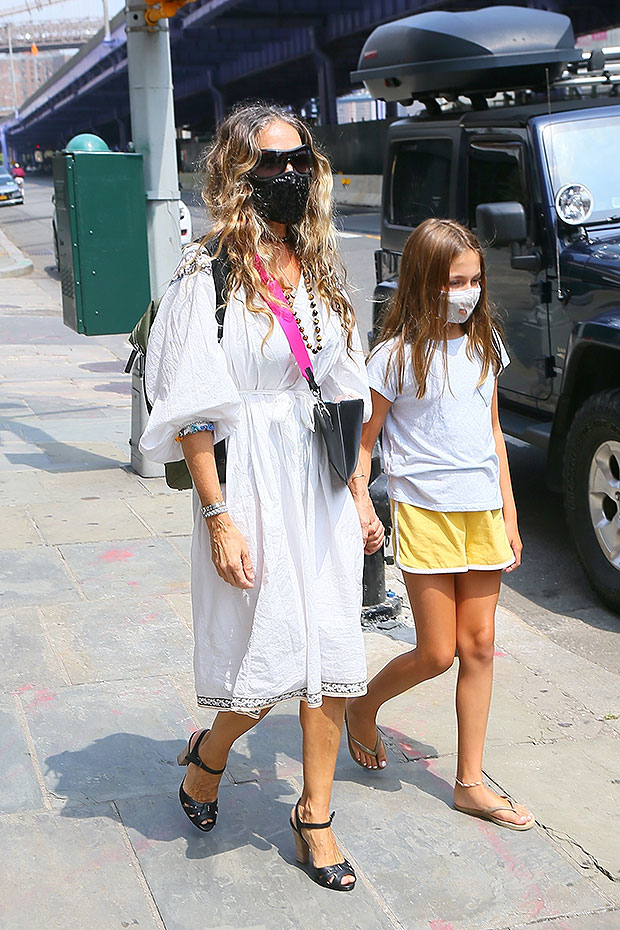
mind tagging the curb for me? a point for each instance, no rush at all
(17, 264)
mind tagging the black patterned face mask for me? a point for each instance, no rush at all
(282, 199)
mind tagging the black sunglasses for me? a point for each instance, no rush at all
(273, 163)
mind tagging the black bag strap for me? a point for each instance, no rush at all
(220, 268)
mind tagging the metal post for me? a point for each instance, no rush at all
(106, 23)
(377, 603)
(12, 68)
(153, 134)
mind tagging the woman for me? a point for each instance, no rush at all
(276, 569)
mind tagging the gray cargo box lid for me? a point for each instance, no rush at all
(478, 52)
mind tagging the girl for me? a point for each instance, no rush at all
(433, 383)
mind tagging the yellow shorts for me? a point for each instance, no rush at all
(429, 542)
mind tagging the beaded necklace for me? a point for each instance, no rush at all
(290, 297)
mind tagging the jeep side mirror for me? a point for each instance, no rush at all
(500, 224)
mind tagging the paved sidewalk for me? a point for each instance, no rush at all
(13, 263)
(95, 656)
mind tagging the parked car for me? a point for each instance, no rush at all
(10, 191)
(185, 218)
(538, 178)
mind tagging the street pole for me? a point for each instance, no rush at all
(106, 23)
(153, 134)
(12, 68)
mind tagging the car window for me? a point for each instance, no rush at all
(4, 174)
(496, 175)
(420, 181)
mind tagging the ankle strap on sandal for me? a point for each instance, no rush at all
(312, 826)
(195, 759)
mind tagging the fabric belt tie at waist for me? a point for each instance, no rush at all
(284, 403)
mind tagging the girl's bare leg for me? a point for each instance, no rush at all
(476, 601)
(432, 599)
(322, 728)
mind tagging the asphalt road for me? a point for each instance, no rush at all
(549, 591)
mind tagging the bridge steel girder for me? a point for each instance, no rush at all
(219, 46)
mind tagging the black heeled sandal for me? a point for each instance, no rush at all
(197, 811)
(330, 876)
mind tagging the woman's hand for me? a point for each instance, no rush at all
(512, 531)
(229, 552)
(372, 528)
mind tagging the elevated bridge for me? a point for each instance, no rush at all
(55, 34)
(228, 50)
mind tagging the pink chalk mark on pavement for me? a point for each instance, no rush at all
(498, 654)
(440, 925)
(533, 901)
(22, 689)
(149, 617)
(133, 584)
(116, 555)
(41, 696)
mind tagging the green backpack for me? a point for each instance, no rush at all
(177, 473)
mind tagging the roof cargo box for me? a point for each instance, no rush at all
(474, 53)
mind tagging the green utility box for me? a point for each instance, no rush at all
(102, 243)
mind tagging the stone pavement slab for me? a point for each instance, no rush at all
(87, 521)
(19, 786)
(243, 874)
(35, 576)
(102, 484)
(573, 787)
(126, 566)
(104, 741)
(18, 529)
(440, 869)
(172, 517)
(59, 872)
(119, 638)
(24, 489)
(27, 658)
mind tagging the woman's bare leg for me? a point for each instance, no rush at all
(322, 728)
(432, 599)
(227, 727)
(476, 601)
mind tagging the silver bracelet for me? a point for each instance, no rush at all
(212, 510)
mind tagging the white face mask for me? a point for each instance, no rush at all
(462, 303)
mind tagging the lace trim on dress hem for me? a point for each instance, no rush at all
(328, 689)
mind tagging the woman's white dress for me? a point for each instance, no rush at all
(297, 632)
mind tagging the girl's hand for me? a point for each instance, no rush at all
(372, 527)
(229, 552)
(514, 539)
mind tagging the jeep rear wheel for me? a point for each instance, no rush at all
(592, 492)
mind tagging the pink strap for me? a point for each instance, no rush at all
(280, 309)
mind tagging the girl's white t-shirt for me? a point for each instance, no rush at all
(439, 451)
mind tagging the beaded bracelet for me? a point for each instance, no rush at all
(198, 427)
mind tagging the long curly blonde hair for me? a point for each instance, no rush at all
(227, 192)
(416, 316)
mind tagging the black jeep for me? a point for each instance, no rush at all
(519, 138)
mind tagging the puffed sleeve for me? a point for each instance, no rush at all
(186, 377)
(347, 378)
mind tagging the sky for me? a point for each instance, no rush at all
(40, 11)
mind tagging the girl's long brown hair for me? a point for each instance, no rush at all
(416, 316)
(227, 194)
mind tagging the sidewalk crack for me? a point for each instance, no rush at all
(561, 837)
